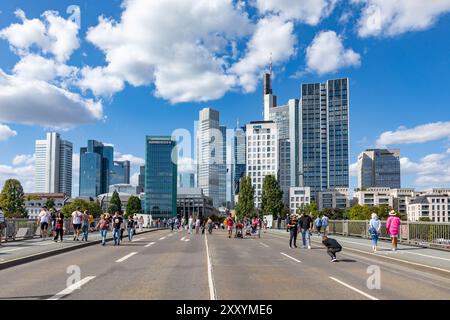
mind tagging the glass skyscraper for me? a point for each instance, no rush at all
(379, 168)
(239, 158)
(160, 190)
(325, 136)
(120, 173)
(186, 180)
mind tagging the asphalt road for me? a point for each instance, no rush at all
(165, 265)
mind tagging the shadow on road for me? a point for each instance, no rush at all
(346, 260)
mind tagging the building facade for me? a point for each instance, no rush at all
(192, 201)
(375, 197)
(141, 179)
(120, 173)
(379, 168)
(186, 180)
(53, 165)
(35, 201)
(435, 207)
(124, 188)
(298, 197)
(160, 177)
(337, 198)
(262, 154)
(240, 147)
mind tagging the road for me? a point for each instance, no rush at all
(166, 265)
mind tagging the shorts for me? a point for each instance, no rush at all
(77, 226)
(44, 225)
(230, 228)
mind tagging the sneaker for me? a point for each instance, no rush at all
(333, 260)
(295, 246)
(309, 247)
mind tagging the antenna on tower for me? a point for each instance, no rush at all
(270, 65)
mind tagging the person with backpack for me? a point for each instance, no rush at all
(103, 226)
(374, 230)
(318, 224)
(332, 247)
(85, 226)
(393, 228)
(59, 226)
(325, 225)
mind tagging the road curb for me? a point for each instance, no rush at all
(46, 254)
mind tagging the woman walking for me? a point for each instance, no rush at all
(393, 228)
(85, 226)
(103, 226)
(130, 228)
(59, 226)
(374, 230)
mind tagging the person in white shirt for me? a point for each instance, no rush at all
(43, 220)
(76, 221)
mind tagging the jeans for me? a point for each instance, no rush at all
(130, 233)
(85, 232)
(306, 235)
(103, 235)
(116, 236)
(332, 252)
(374, 240)
(293, 236)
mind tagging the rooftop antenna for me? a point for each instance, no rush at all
(270, 65)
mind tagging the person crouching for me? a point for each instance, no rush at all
(332, 247)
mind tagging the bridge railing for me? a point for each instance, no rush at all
(426, 234)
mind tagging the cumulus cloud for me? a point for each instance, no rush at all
(186, 165)
(327, 54)
(431, 171)
(422, 133)
(353, 169)
(100, 81)
(390, 18)
(6, 132)
(21, 159)
(306, 11)
(134, 161)
(23, 172)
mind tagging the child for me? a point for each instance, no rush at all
(332, 247)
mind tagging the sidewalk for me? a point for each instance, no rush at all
(418, 257)
(18, 252)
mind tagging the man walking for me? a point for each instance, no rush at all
(293, 229)
(306, 224)
(76, 222)
(43, 220)
(117, 226)
(325, 225)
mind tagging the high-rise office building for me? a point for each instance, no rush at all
(141, 179)
(186, 180)
(53, 165)
(325, 135)
(120, 173)
(262, 154)
(211, 157)
(160, 198)
(379, 168)
(239, 158)
(96, 166)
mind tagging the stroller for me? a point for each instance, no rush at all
(239, 227)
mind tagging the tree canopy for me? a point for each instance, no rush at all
(93, 207)
(12, 199)
(271, 197)
(115, 204)
(246, 200)
(133, 205)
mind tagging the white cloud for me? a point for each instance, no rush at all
(327, 54)
(6, 132)
(36, 67)
(431, 171)
(53, 34)
(186, 165)
(182, 47)
(422, 133)
(100, 81)
(25, 174)
(390, 18)
(135, 161)
(21, 159)
(134, 179)
(269, 30)
(307, 11)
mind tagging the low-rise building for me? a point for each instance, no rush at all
(299, 196)
(193, 201)
(35, 201)
(434, 206)
(336, 198)
(105, 199)
(375, 197)
(124, 188)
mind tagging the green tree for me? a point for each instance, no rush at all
(133, 205)
(246, 200)
(12, 200)
(93, 207)
(359, 212)
(310, 209)
(271, 197)
(50, 203)
(115, 204)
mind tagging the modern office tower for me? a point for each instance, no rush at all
(160, 198)
(53, 165)
(325, 136)
(270, 101)
(120, 174)
(141, 179)
(239, 158)
(186, 180)
(262, 154)
(379, 168)
(211, 157)
(96, 165)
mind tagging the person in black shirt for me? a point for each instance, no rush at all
(306, 224)
(130, 228)
(332, 247)
(117, 226)
(58, 226)
(293, 229)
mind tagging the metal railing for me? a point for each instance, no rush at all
(425, 234)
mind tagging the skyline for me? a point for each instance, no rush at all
(390, 101)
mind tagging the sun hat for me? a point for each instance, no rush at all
(392, 213)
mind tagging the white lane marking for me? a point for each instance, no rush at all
(284, 254)
(138, 239)
(170, 234)
(72, 288)
(354, 289)
(148, 245)
(182, 239)
(126, 257)
(162, 238)
(265, 245)
(212, 289)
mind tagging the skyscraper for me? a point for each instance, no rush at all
(53, 165)
(96, 167)
(379, 168)
(239, 158)
(186, 180)
(211, 155)
(325, 136)
(160, 198)
(141, 179)
(262, 154)
(120, 174)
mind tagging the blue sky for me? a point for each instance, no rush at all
(148, 67)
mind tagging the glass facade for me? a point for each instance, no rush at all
(160, 190)
(120, 174)
(379, 168)
(239, 157)
(186, 180)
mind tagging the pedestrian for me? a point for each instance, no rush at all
(177, 222)
(325, 223)
(43, 220)
(318, 224)
(2, 225)
(103, 226)
(286, 221)
(53, 219)
(197, 225)
(76, 222)
(85, 226)
(306, 224)
(122, 227)
(172, 223)
(190, 224)
(230, 224)
(183, 223)
(117, 226)
(265, 224)
(91, 222)
(293, 229)
(130, 228)
(141, 223)
(255, 223)
(59, 226)
(374, 230)
(209, 224)
(393, 228)
(332, 247)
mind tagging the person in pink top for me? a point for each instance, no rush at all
(393, 228)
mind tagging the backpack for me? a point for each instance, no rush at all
(318, 222)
